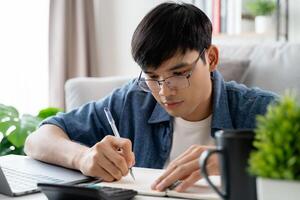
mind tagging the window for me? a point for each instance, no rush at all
(24, 54)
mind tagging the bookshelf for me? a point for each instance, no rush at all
(225, 15)
(243, 38)
(230, 18)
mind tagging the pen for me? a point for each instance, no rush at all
(115, 130)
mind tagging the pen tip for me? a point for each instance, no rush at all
(131, 173)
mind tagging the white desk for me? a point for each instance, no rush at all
(40, 196)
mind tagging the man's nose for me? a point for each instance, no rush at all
(165, 90)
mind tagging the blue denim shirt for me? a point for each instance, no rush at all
(141, 119)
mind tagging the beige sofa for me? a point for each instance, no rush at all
(273, 66)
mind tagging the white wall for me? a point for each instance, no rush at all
(24, 54)
(117, 22)
(294, 24)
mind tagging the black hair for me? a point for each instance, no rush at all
(168, 29)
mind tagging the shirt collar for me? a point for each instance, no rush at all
(158, 115)
(221, 118)
(221, 115)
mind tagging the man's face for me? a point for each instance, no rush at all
(192, 103)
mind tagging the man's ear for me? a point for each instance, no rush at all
(213, 57)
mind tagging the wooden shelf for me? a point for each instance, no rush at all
(249, 37)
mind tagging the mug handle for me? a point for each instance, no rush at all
(203, 161)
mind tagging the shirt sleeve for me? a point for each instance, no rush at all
(258, 105)
(88, 124)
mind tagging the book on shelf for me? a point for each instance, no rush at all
(144, 177)
(216, 16)
(225, 15)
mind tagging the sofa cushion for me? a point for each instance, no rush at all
(84, 89)
(233, 69)
(273, 66)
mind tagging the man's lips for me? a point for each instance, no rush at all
(172, 104)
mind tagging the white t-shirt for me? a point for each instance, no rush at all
(187, 133)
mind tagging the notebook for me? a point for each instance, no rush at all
(19, 175)
(145, 177)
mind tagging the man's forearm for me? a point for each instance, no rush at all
(50, 144)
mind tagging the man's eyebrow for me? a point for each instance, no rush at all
(178, 66)
(175, 67)
(148, 72)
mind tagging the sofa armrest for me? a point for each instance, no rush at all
(79, 91)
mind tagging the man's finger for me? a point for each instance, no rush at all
(130, 163)
(126, 147)
(175, 175)
(118, 160)
(182, 159)
(189, 181)
(109, 167)
(193, 153)
(163, 176)
(178, 174)
(102, 173)
(133, 161)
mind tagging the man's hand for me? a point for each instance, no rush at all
(109, 159)
(186, 169)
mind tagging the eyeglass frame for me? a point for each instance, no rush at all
(160, 82)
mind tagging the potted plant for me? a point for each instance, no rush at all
(262, 10)
(15, 129)
(276, 160)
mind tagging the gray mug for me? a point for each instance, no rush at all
(233, 148)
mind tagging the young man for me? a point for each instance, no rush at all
(168, 115)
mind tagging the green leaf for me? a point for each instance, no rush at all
(8, 111)
(28, 124)
(277, 141)
(14, 130)
(5, 126)
(7, 148)
(261, 7)
(43, 114)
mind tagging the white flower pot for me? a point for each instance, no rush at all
(264, 24)
(271, 189)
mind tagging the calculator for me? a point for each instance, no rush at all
(67, 192)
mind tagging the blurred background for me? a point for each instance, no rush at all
(43, 43)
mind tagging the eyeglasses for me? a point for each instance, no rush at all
(173, 82)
